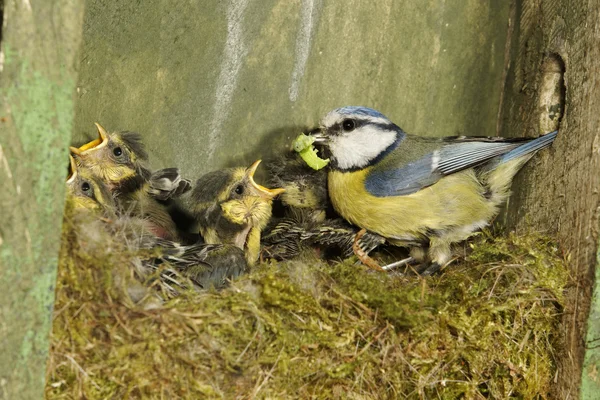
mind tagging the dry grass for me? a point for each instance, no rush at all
(485, 328)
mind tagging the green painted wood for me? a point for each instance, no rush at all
(211, 84)
(590, 378)
(40, 40)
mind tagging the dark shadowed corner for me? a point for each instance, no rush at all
(1, 19)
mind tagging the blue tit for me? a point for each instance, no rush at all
(87, 192)
(305, 188)
(230, 207)
(421, 192)
(204, 265)
(119, 159)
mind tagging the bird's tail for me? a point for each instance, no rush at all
(530, 147)
(498, 177)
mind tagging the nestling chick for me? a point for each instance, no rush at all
(87, 191)
(204, 265)
(305, 188)
(119, 160)
(309, 218)
(208, 265)
(418, 191)
(230, 207)
(286, 237)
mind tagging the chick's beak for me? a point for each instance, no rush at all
(72, 169)
(262, 191)
(96, 143)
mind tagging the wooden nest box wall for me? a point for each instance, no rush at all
(214, 85)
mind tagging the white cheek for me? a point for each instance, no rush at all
(356, 149)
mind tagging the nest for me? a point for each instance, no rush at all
(485, 328)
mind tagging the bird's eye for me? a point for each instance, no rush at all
(348, 125)
(117, 151)
(239, 189)
(85, 187)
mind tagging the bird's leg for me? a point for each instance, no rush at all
(264, 252)
(397, 264)
(430, 269)
(439, 253)
(362, 255)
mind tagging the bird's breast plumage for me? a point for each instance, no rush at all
(456, 200)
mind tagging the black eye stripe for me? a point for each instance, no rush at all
(337, 127)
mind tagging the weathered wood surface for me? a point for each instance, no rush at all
(559, 192)
(38, 62)
(214, 83)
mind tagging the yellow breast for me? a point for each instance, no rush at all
(455, 200)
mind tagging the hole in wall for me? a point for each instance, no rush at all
(552, 93)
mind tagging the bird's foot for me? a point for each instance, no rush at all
(362, 255)
(429, 269)
(397, 264)
(265, 253)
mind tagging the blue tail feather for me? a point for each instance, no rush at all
(530, 147)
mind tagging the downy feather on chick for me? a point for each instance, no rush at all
(230, 207)
(119, 159)
(204, 265)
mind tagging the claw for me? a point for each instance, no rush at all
(397, 264)
(362, 256)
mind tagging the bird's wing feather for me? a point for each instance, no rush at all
(438, 157)
(404, 180)
(458, 156)
(168, 183)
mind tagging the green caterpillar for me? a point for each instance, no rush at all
(303, 144)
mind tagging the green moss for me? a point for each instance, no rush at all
(486, 327)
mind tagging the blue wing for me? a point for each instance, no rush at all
(408, 179)
(452, 155)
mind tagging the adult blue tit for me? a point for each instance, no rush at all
(421, 192)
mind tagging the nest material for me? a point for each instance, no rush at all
(485, 328)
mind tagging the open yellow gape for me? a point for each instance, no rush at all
(102, 140)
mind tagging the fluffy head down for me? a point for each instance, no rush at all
(117, 158)
(231, 208)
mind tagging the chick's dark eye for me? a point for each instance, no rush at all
(348, 125)
(239, 189)
(117, 151)
(85, 187)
